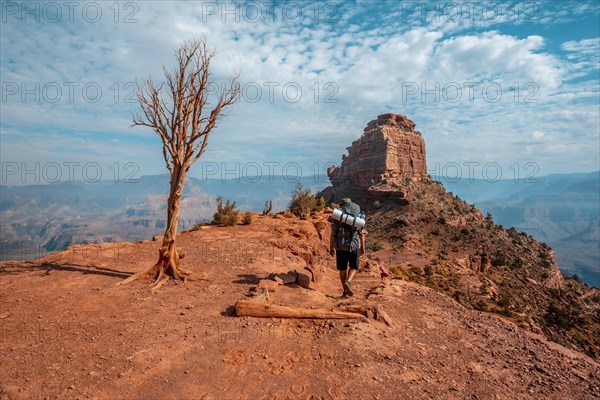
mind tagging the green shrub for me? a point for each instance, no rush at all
(454, 278)
(302, 201)
(199, 225)
(562, 317)
(505, 300)
(320, 204)
(247, 219)
(481, 305)
(555, 293)
(415, 278)
(517, 263)
(375, 246)
(226, 214)
(483, 289)
(428, 270)
(499, 259)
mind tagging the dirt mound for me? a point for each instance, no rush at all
(67, 331)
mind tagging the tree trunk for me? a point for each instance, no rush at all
(168, 258)
(167, 267)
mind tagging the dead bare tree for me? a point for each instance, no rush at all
(181, 118)
(268, 207)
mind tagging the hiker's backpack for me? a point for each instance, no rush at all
(345, 235)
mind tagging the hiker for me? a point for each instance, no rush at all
(346, 244)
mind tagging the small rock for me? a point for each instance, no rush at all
(303, 279)
(539, 368)
(290, 277)
(268, 284)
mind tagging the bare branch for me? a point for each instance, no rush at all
(179, 116)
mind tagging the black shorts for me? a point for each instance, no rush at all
(345, 258)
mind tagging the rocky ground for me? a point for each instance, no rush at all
(67, 331)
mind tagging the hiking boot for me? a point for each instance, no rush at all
(348, 288)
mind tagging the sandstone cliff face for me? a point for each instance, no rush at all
(389, 153)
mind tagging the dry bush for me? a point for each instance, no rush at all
(198, 225)
(226, 214)
(303, 202)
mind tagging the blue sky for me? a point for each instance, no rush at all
(514, 85)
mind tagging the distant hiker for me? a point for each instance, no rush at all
(346, 243)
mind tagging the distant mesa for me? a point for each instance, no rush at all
(388, 154)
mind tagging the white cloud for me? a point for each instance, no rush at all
(537, 135)
(587, 47)
(495, 56)
(583, 56)
(365, 56)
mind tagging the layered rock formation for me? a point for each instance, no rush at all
(389, 153)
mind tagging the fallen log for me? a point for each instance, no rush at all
(355, 309)
(375, 312)
(248, 308)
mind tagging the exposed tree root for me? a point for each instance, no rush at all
(159, 282)
(166, 269)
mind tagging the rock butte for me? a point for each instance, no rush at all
(389, 153)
